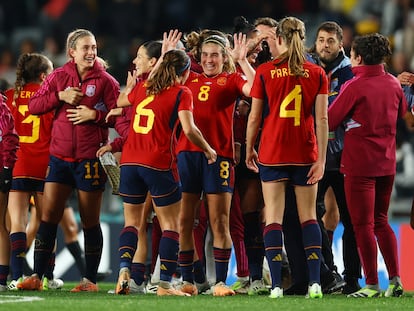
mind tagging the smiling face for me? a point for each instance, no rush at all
(143, 63)
(327, 46)
(212, 58)
(84, 53)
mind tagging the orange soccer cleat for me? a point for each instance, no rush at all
(85, 286)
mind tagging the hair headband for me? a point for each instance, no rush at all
(187, 65)
(215, 39)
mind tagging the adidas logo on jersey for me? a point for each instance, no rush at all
(163, 267)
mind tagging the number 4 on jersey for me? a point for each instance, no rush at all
(294, 96)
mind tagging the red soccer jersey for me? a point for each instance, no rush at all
(288, 131)
(152, 139)
(34, 135)
(214, 104)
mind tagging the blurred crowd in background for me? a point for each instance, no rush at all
(121, 26)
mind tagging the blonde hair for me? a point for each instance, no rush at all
(73, 38)
(103, 62)
(292, 30)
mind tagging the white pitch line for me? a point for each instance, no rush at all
(13, 299)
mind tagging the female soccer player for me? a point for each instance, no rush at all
(148, 160)
(284, 95)
(147, 56)
(215, 91)
(34, 135)
(80, 93)
(8, 147)
(247, 185)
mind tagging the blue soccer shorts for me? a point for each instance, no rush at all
(297, 175)
(27, 185)
(198, 176)
(85, 175)
(136, 181)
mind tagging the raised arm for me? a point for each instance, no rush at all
(239, 55)
(169, 42)
(130, 84)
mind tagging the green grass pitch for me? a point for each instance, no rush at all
(62, 300)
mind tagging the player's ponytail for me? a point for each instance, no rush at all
(28, 69)
(292, 30)
(175, 63)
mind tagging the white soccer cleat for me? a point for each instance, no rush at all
(135, 289)
(151, 288)
(258, 287)
(13, 284)
(276, 292)
(314, 291)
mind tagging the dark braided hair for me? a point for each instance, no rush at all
(373, 48)
(29, 68)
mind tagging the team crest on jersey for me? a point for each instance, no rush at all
(90, 90)
(222, 81)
